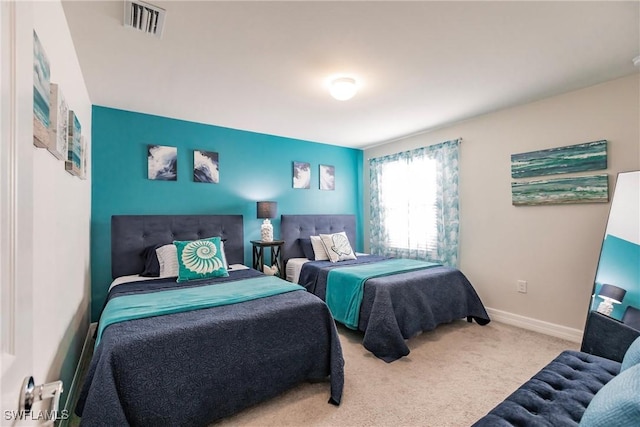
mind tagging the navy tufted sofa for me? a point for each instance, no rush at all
(561, 391)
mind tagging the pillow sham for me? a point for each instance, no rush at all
(167, 260)
(319, 252)
(307, 248)
(151, 264)
(200, 259)
(337, 246)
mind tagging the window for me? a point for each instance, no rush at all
(408, 192)
(414, 204)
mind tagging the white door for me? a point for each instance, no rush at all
(16, 192)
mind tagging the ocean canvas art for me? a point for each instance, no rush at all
(589, 156)
(327, 177)
(162, 162)
(581, 189)
(301, 175)
(205, 167)
(73, 164)
(41, 94)
(59, 124)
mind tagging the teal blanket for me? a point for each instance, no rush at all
(345, 286)
(138, 306)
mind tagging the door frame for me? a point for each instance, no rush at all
(16, 196)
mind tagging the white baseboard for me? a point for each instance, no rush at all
(558, 331)
(74, 389)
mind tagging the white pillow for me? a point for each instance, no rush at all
(337, 246)
(168, 259)
(224, 257)
(318, 248)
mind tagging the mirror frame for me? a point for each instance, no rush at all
(619, 259)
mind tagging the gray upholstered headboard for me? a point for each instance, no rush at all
(131, 234)
(293, 227)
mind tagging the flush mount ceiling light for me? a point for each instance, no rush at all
(636, 61)
(343, 88)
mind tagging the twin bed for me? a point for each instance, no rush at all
(194, 367)
(394, 307)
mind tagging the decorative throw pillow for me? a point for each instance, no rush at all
(632, 356)
(617, 403)
(151, 264)
(200, 259)
(168, 260)
(337, 246)
(307, 248)
(319, 252)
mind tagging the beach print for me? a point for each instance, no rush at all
(582, 189)
(589, 156)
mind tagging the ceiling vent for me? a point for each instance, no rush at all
(144, 17)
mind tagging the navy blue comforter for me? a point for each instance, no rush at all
(192, 368)
(395, 308)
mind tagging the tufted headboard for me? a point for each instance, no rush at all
(293, 227)
(131, 234)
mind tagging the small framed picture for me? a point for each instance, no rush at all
(205, 167)
(41, 94)
(327, 177)
(73, 163)
(301, 175)
(58, 124)
(162, 162)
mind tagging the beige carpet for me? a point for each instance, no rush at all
(453, 376)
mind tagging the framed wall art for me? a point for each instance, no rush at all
(162, 162)
(73, 164)
(41, 94)
(301, 175)
(589, 156)
(205, 167)
(580, 189)
(58, 123)
(327, 177)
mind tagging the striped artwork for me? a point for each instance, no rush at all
(589, 156)
(580, 189)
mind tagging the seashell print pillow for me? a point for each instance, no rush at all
(200, 259)
(337, 246)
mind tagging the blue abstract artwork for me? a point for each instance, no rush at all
(301, 175)
(205, 167)
(581, 189)
(41, 94)
(327, 177)
(589, 156)
(162, 162)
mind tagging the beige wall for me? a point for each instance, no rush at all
(554, 248)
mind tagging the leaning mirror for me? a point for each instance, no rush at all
(613, 321)
(616, 292)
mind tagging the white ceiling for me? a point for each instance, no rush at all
(261, 66)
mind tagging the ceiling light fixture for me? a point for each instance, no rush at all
(636, 61)
(343, 88)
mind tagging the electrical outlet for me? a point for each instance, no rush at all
(521, 286)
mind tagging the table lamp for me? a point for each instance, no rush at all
(267, 210)
(610, 295)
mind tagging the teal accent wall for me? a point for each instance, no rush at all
(252, 167)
